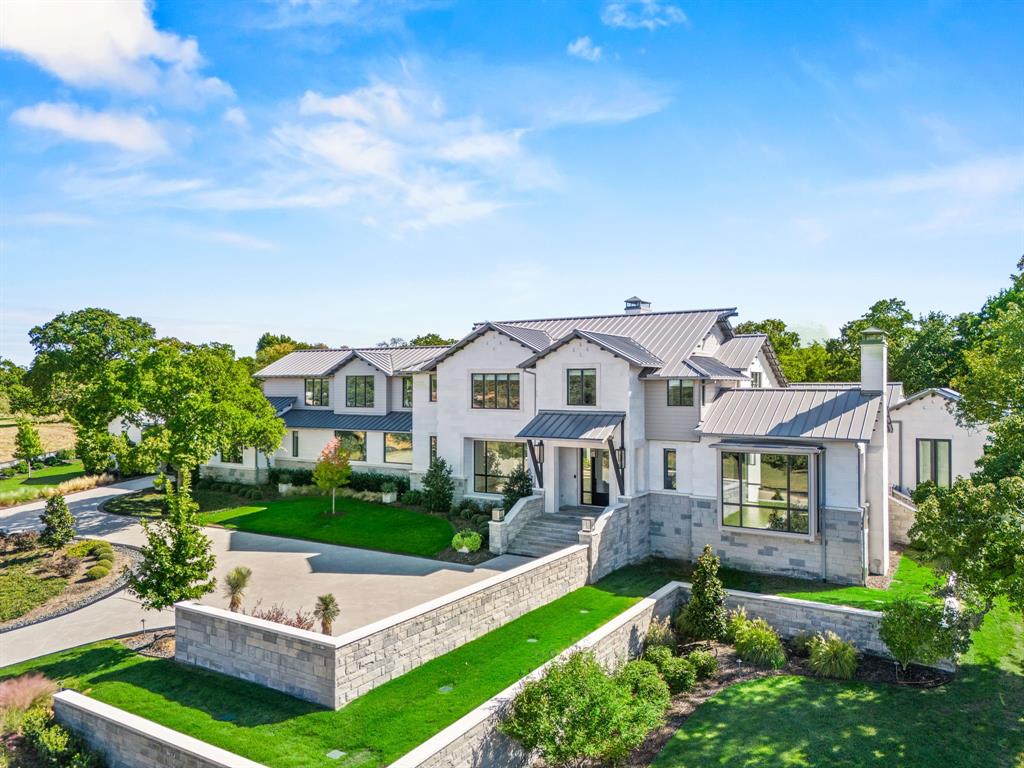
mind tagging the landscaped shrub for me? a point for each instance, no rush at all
(327, 610)
(97, 572)
(25, 692)
(922, 632)
(679, 673)
(466, 539)
(660, 632)
(106, 562)
(657, 654)
(23, 541)
(734, 623)
(519, 485)
(58, 523)
(412, 498)
(277, 614)
(438, 487)
(65, 567)
(100, 547)
(64, 454)
(54, 745)
(643, 680)
(758, 644)
(576, 711)
(704, 617)
(801, 644)
(831, 656)
(374, 481)
(704, 663)
(95, 448)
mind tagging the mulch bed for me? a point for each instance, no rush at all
(158, 644)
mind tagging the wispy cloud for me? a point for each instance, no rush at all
(642, 14)
(240, 240)
(53, 219)
(584, 48)
(132, 133)
(108, 43)
(364, 14)
(236, 116)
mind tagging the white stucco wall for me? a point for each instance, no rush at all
(424, 422)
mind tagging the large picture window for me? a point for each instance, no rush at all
(680, 392)
(493, 461)
(669, 461)
(581, 386)
(318, 391)
(766, 491)
(398, 447)
(496, 390)
(933, 462)
(359, 392)
(353, 444)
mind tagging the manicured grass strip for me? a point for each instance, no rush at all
(44, 476)
(142, 504)
(913, 579)
(973, 722)
(20, 589)
(374, 730)
(357, 524)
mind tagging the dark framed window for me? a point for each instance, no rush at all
(318, 391)
(232, 455)
(755, 379)
(680, 392)
(433, 448)
(496, 390)
(359, 391)
(581, 386)
(352, 443)
(766, 491)
(398, 448)
(669, 464)
(295, 443)
(433, 387)
(493, 461)
(407, 391)
(934, 462)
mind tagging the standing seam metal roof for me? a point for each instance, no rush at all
(740, 350)
(573, 425)
(621, 346)
(308, 418)
(321, 362)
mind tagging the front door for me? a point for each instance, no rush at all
(594, 474)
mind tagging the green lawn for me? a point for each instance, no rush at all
(357, 524)
(913, 578)
(973, 722)
(21, 589)
(142, 504)
(44, 476)
(375, 729)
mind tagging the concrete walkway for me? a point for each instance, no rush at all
(368, 585)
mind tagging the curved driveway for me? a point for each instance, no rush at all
(368, 585)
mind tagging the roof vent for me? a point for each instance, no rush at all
(635, 305)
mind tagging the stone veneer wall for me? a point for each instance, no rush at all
(129, 741)
(232, 474)
(621, 536)
(902, 515)
(332, 671)
(502, 532)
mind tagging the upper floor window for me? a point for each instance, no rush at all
(318, 391)
(359, 391)
(433, 387)
(581, 386)
(933, 462)
(766, 491)
(680, 392)
(353, 444)
(407, 391)
(755, 379)
(496, 390)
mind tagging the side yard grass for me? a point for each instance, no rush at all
(44, 476)
(375, 729)
(973, 722)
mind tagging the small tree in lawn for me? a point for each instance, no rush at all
(332, 469)
(58, 523)
(27, 445)
(176, 559)
(235, 584)
(704, 616)
(327, 611)
(922, 632)
(438, 487)
(518, 486)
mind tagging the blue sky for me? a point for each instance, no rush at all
(348, 172)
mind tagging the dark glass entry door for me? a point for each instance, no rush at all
(594, 473)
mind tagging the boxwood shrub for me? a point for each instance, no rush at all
(97, 572)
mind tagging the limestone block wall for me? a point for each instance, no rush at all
(671, 525)
(331, 671)
(902, 514)
(502, 532)
(129, 741)
(621, 535)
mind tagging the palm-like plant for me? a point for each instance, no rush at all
(235, 584)
(327, 611)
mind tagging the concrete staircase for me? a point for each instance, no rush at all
(548, 533)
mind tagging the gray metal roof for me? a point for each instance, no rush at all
(322, 362)
(708, 367)
(530, 338)
(949, 394)
(621, 346)
(740, 350)
(281, 404)
(305, 362)
(573, 425)
(793, 412)
(894, 389)
(308, 418)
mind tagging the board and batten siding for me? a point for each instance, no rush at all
(665, 422)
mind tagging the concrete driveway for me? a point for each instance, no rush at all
(368, 585)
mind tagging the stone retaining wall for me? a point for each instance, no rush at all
(620, 536)
(129, 741)
(332, 671)
(502, 532)
(902, 514)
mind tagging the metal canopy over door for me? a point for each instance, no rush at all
(595, 472)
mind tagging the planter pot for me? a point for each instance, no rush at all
(284, 488)
(389, 498)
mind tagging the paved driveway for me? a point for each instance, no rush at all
(368, 585)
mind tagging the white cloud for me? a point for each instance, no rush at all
(380, 104)
(107, 43)
(236, 116)
(55, 219)
(365, 14)
(240, 240)
(129, 132)
(642, 14)
(584, 48)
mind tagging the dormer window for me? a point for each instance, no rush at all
(581, 386)
(359, 391)
(318, 392)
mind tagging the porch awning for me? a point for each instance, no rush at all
(309, 418)
(573, 425)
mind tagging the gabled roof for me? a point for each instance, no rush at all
(620, 346)
(740, 351)
(323, 362)
(894, 389)
(708, 367)
(281, 404)
(573, 425)
(797, 412)
(530, 338)
(949, 394)
(305, 362)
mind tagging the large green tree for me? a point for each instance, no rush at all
(273, 346)
(893, 317)
(86, 362)
(799, 363)
(430, 340)
(15, 396)
(27, 445)
(934, 355)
